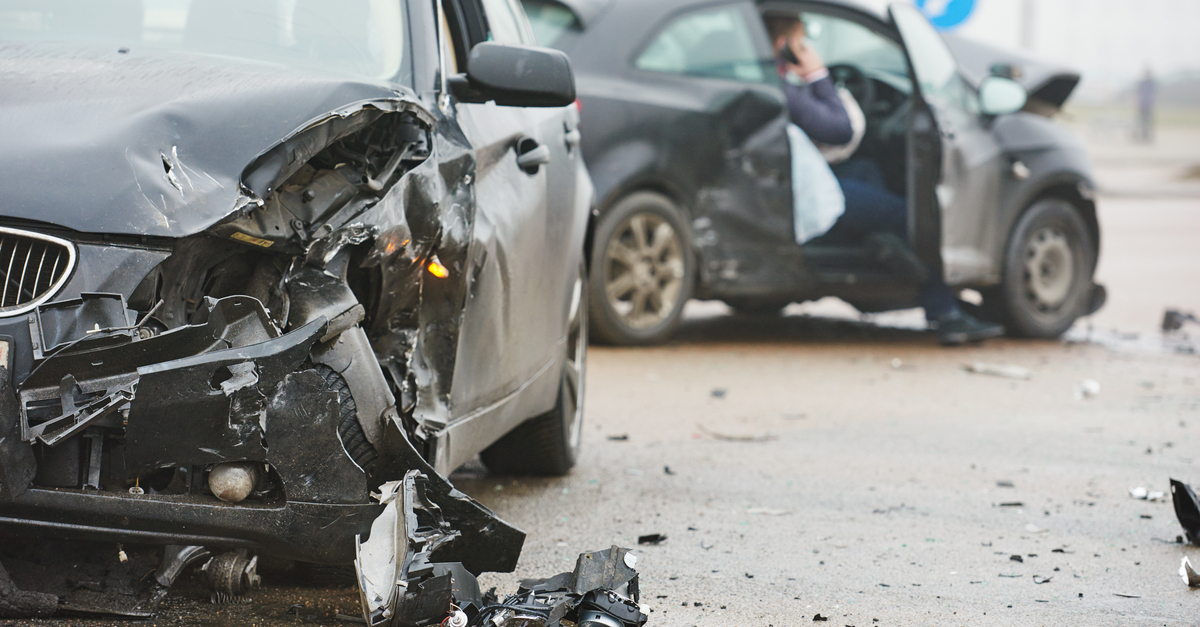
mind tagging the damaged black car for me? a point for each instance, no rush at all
(264, 257)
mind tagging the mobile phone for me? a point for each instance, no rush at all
(789, 55)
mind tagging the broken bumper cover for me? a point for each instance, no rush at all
(228, 388)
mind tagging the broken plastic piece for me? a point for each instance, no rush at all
(1189, 574)
(1145, 495)
(1006, 371)
(1187, 509)
(1173, 320)
(1088, 388)
(653, 538)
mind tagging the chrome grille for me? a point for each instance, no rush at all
(34, 267)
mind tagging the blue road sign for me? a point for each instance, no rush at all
(947, 14)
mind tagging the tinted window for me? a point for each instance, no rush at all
(714, 42)
(359, 37)
(550, 20)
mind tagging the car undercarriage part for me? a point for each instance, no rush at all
(402, 583)
(231, 575)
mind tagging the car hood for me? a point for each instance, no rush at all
(1045, 81)
(149, 142)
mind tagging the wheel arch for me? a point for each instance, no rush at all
(1072, 187)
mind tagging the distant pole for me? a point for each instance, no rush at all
(1027, 20)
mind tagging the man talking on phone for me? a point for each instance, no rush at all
(872, 214)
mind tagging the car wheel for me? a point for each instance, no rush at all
(757, 306)
(548, 445)
(642, 271)
(1048, 268)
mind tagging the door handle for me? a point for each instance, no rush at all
(531, 156)
(572, 138)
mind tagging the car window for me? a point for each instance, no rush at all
(360, 37)
(713, 42)
(550, 20)
(842, 41)
(506, 22)
(935, 67)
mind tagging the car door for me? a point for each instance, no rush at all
(955, 164)
(513, 317)
(709, 95)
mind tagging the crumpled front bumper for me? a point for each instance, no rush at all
(228, 388)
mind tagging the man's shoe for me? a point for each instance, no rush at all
(965, 328)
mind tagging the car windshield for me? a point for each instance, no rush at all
(363, 38)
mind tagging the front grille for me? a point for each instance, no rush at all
(34, 267)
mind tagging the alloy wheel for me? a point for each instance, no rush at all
(643, 270)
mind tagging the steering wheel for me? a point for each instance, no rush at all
(857, 83)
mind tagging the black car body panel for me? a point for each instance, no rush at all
(327, 281)
(714, 146)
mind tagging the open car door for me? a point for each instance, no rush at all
(954, 162)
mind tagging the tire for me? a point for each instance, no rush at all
(1048, 266)
(354, 440)
(757, 306)
(642, 271)
(548, 445)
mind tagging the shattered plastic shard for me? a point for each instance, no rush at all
(1187, 509)
(1189, 574)
(376, 560)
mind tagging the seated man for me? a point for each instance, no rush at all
(871, 211)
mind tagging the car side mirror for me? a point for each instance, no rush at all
(516, 76)
(998, 96)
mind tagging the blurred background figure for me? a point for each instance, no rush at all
(1145, 105)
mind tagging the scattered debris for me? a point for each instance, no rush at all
(1038, 579)
(1016, 558)
(767, 511)
(1173, 320)
(820, 619)
(1189, 574)
(622, 437)
(1126, 596)
(1088, 388)
(1146, 495)
(718, 393)
(1012, 504)
(1007, 371)
(1187, 509)
(401, 584)
(667, 470)
(653, 538)
(1005, 483)
(766, 437)
(1011, 576)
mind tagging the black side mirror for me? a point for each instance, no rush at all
(516, 76)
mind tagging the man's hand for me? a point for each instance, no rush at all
(810, 61)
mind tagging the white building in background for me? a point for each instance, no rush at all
(1110, 41)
